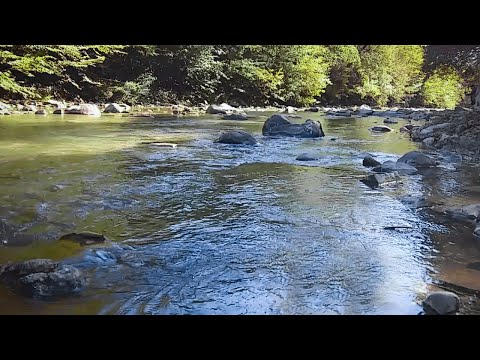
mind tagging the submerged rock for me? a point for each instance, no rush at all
(278, 125)
(441, 303)
(369, 161)
(391, 166)
(84, 238)
(417, 159)
(390, 121)
(381, 128)
(235, 117)
(237, 137)
(42, 278)
(306, 157)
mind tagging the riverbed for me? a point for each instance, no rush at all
(207, 228)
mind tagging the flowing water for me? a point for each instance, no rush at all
(209, 228)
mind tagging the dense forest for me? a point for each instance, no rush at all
(298, 75)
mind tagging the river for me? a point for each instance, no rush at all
(208, 228)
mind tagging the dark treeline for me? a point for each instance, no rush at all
(298, 75)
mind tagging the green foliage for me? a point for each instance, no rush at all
(443, 88)
(133, 92)
(239, 74)
(47, 65)
(390, 72)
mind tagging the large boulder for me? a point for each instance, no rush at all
(84, 109)
(441, 303)
(237, 137)
(278, 125)
(42, 278)
(417, 159)
(116, 108)
(220, 109)
(399, 167)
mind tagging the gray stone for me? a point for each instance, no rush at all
(236, 137)
(369, 161)
(417, 159)
(392, 166)
(381, 128)
(278, 125)
(220, 109)
(306, 157)
(390, 121)
(42, 278)
(429, 130)
(115, 108)
(41, 112)
(375, 180)
(441, 303)
(235, 117)
(84, 109)
(428, 141)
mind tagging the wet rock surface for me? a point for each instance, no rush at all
(441, 303)
(279, 125)
(42, 278)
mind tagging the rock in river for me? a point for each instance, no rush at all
(84, 238)
(375, 180)
(391, 166)
(236, 137)
(278, 125)
(390, 121)
(381, 128)
(116, 108)
(84, 109)
(220, 109)
(441, 303)
(369, 161)
(42, 278)
(239, 116)
(306, 157)
(417, 159)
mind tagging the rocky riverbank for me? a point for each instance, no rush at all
(452, 130)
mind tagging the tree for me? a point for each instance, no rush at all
(443, 88)
(390, 72)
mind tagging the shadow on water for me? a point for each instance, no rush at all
(213, 228)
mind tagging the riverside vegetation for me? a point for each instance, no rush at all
(151, 96)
